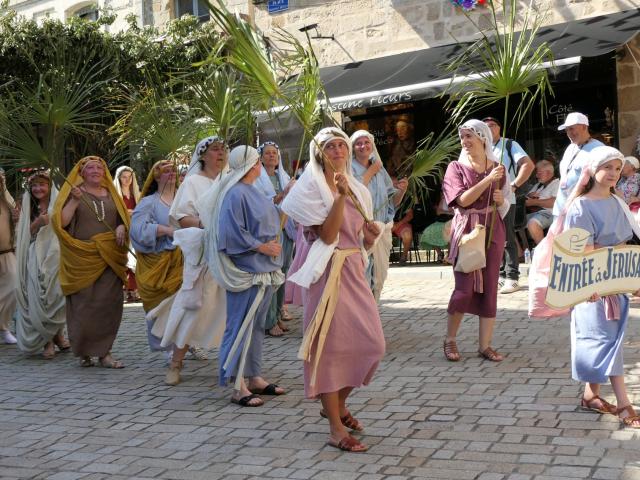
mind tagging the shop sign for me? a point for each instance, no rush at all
(559, 111)
(375, 101)
(275, 6)
(575, 275)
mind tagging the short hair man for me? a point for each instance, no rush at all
(519, 167)
(576, 126)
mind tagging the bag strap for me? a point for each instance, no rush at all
(512, 165)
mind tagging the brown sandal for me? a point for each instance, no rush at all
(348, 444)
(451, 352)
(602, 407)
(632, 421)
(348, 421)
(491, 355)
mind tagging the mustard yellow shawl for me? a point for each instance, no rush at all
(158, 275)
(82, 262)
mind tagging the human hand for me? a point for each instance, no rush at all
(497, 173)
(120, 232)
(15, 214)
(278, 198)
(76, 193)
(270, 249)
(594, 298)
(533, 195)
(341, 183)
(402, 184)
(43, 219)
(375, 167)
(289, 186)
(498, 197)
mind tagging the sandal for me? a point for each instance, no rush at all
(86, 362)
(602, 407)
(244, 401)
(451, 352)
(110, 362)
(348, 421)
(632, 421)
(62, 343)
(271, 389)
(348, 444)
(275, 331)
(491, 355)
(282, 327)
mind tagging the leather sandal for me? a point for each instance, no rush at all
(632, 421)
(597, 404)
(348, 444)
(451, 352)
(491, 355)
(348, 421)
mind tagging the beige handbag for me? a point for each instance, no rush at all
(472, 255)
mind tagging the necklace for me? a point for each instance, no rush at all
(95, 207)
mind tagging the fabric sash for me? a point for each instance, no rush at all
(159, 275)
(319, 325)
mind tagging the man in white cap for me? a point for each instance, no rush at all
(576, 125)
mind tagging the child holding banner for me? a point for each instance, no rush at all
(598, 325)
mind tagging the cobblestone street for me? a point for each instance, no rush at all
(424, 417)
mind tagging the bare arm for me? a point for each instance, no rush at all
(70, 208)
(525, 169)
(371, 171)
(471, 195)
(190, 221)
(328, 231)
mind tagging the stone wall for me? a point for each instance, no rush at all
(628, 71)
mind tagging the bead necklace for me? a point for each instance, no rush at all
(95, 207)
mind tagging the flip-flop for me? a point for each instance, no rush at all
(244, 401)
(270, 389)
(348, 444)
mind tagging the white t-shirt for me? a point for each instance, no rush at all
(550, 190)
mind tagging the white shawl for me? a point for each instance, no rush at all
(309, 203)
(263, 183)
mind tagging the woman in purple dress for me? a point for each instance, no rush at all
(343, 340)
(471, 186)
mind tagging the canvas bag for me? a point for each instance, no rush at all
(472, 254)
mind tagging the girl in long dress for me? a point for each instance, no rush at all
(343, 340)
(471, 185)
(598, 325)
(197, 316)
(8, 268)
(91, 222)
(274, 182)
(126, 185)
(160, 263)
(41, 305)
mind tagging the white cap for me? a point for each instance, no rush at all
(574, 118)
(633, 161)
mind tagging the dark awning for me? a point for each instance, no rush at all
(417, 75)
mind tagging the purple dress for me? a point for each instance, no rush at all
(355, 342)
(468, 296)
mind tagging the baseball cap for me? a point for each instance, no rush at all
(492, 119)
(633, 161)
(574, 118)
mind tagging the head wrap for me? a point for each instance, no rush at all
(154, 175)
(596, 158)
(264, 182)
(201, 148)
(375, 156)
(632, 161)
(482, 131)
(135, 190)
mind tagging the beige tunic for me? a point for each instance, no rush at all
(7, 268)
(94, 313)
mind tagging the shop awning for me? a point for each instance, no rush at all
(418, 75)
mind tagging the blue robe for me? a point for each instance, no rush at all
(246, 221)
(596, 343)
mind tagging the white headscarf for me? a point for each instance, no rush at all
(135, 190)
(195, 166)
(310, 200)
(375, 156)
(263, 183)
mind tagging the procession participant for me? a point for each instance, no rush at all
(628, 186)
(91, 222)
(41, 305)
(367, 168)
(275, 183)
(159, 266)
(598, 325)
(196, 318)
(8, 219)
(469, 186)
(576, 126)
(343, 340)
(245, 258)
(126, 185)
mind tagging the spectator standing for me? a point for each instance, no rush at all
(519, 168)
